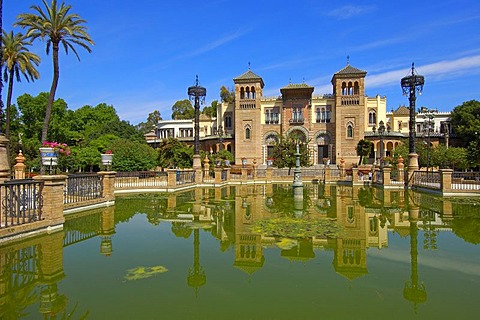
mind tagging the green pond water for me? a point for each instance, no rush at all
(252, 252)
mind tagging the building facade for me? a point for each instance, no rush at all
(331, 124)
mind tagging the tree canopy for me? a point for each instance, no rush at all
(465, 120)
(227, 95)
(183, 109)
(284, 151)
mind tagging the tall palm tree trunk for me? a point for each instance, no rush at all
(53, 89)
(9, 103)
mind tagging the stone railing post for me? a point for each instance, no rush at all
(198, 176)
(446, 180)
(52, 194)
(355, 176)
(218, 174)
(171, 178)
(254, 173)
(227, 175)
(19, 167)
(268, 174)
(386, 176)
(108, 180)
(244, 173)
(327, 174)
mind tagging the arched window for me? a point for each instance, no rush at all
(344, 89)
(247, 133)
(253, 93)
(356, 89)
(372, 117)
(248, 92)
(242, 93)
(349, 130)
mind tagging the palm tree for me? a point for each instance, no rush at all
(18, 60)
(55, 25)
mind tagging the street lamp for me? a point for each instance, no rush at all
(411, 85)
(197, 94)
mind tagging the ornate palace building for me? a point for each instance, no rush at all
(332, 124)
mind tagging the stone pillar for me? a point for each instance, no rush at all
(412, 167)
(19, 167)
(244, 173)
(254, 173)
(198, 176)
(206, 167)
(446, 180)
(172, 178)
(51, 262)
(52, 194)
(401, 169)
(268, 174)
(327, 174)
(4, 161)
(355, 175)
(386, 176)
(108, 178)
(108, 229)
(218, 174)
(228, 174)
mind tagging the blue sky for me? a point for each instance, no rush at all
(147, 52)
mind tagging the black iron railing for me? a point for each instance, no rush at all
(82, 187)
(22, 202)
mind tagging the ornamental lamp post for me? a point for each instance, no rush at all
(411, 85)
(197, 94)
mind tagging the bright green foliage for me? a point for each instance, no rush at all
(465, 120)
(17, 60)
(133, 156)
(172, 153)
(227, 95)
(57, 26)
(104, 142)
(284, 151)
(152, 121)
(183, 109)
(364, 148)
(86, 159)
(211, 110)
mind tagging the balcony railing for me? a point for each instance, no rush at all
(297, 120)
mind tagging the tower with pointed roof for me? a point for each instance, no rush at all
(349, 92)
(248, 128)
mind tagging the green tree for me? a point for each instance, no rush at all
(152, 121)
(364, 148)
(465, 120)
(284, 153)
(174, 153)
(57, 26)
(227, 95)
(18, 60)
(183, 109)
(133, 156)
(211, 110)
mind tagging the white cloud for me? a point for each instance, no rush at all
(433, 71)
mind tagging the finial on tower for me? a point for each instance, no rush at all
(348, 60)
(248, 65)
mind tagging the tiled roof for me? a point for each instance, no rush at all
(249, 75)
(351, 70)
(402, 111)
